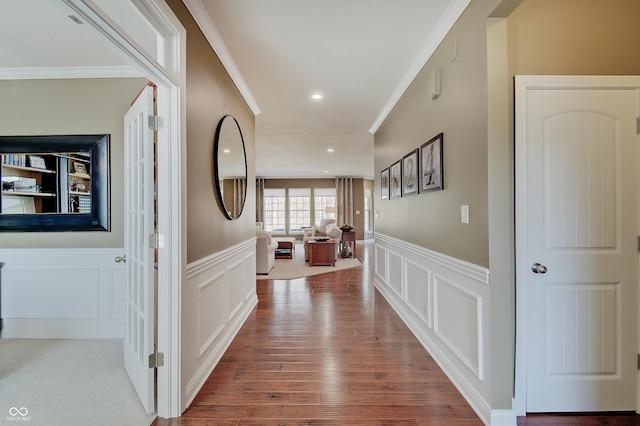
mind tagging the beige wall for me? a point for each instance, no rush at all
(59, 107)
(210, 95)
(575, 37)
(432, 220)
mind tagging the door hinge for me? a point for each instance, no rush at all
(156, 122)
(638, 362)
(638, 243)
(156, 241)
(637, 125)
(156, 360)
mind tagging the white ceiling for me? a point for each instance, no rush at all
(359, 54)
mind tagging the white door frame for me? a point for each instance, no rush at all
(522, 85)
(170, 79)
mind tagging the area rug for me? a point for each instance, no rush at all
(288, 269)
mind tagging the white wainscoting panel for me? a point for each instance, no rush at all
(62, 293)
(395, 275)
(211, 322)
(445, 303)
(217, 298)
(381, 262)
(419, 293)
(459, 329)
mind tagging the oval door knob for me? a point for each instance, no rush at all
(538, 268)
(120, 259)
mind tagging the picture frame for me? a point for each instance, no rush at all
(395, 180)
(432, 164)
(384, 184)
(37, 162)
(410, 172)
(79, 168)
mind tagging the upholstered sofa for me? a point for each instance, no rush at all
(327, 228)
(265, 252)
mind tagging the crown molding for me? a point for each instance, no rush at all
(440, 31)
(201, 16)
(54, 73)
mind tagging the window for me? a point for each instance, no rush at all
(274, 210)
(299, 209)
(367, 210)
(325, 204)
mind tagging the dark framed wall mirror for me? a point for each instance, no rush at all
(230, 167)
(55, 183)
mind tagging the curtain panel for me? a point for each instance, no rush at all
(344, 198)
(239, 192)
(260, 200)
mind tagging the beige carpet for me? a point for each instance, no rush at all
(288, 269)
(67, 382)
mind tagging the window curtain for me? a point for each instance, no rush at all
(260, 200)
(344, 198)
(239, 191)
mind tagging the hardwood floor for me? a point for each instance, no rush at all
(329, 350)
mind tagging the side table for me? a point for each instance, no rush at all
(348, 237)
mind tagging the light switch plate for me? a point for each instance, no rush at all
(464, 214)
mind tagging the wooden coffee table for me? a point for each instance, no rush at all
(322, 253)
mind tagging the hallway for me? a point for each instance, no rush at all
(327, 350)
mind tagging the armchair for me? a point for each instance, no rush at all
(265, 252)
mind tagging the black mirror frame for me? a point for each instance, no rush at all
(216, 159)
(98, 146)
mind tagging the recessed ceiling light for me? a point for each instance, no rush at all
(317, 96)
(326, 171)
(330, 150)
(226, 150)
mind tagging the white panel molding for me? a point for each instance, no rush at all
(473, 383)
(476, 327)
(250, 270)
(62, 293)
(423, 309)
(117, 293)
(235, 274)
(205, 264)
(231, 273)
(206, 316)
(381, 263)
(474, 272)
(395, 274)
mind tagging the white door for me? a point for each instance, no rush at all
(578, 200)
(139, 226)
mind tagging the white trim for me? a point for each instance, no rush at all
(439, 32)
(503, 418)
(201, 16)
(68, 72)
(475, 272)
(523, 84)
(170, 78)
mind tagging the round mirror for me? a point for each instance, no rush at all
(230, 166)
